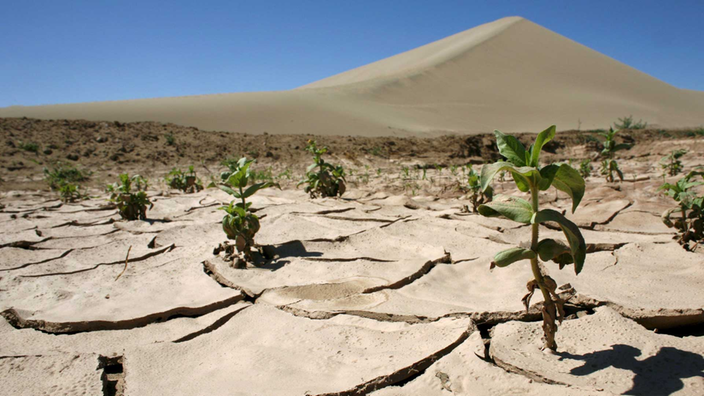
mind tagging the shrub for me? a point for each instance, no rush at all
(239, 223)
(60, 174)
(609, 164)
(585, 168)
(187, 182)
(628, 123)
(323, 179)
(671, 164)
(477, 194)
(130, 205)
(690, 224)
(530, 177)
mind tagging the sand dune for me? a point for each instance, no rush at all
(510, 74)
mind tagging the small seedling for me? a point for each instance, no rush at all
(477, 194)
(585, 168)
(170, 139)
(671, 164)
(239, 223)
(130, 205)
(187, 182)
(530, 177)
(609, 166)
(70, 192)
(323, 179)
(628, 123)
(690, 224)
(285, 174)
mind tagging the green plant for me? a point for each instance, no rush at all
(28, 146)
(690, 224)
(609, 164)
(170, 139)
(239, 223)
(60, 174)
(478, 195)
(69, 192)
(285, 174)
(530, 177)
(130, 205)
(265, 175)
(628, 123)
(187, 182)
(585, 168)
(671, 164)
(323, 179)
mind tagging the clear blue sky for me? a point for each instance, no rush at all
(78, 51)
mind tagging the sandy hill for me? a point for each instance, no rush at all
(510, 74)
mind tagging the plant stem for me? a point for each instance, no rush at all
(549, 310)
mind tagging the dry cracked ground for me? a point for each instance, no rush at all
(371, 294)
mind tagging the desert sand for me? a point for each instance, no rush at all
(510, 74)
(373, 293)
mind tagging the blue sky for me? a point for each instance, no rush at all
(79, 51)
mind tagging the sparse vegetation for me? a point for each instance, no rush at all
(628, 123)
(130, 205)
(170, 139)
(530, 177)
(28, 146)
(323, 178)
(239, 223)
(609, 166)
(690, 207)
(585, 168)
(671, 164)
(477, 194)
(187, 182)
(60, 174)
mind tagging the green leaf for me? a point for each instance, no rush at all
(511, 148)
(543, 137)
(550, 249)
(227, 190)
(568, 180)
(513, 208)
(507, 257)
(520, 174)
(574, 237)
(256, 187)
(547, 174)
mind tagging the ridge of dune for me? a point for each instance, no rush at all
(423, 57)
(510, 74)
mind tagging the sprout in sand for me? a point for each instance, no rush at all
(478, 195)
(609, 164)
(690, 223)
(323, 178)
(239, 223)
(130, 205)
(187, 181)
(671, 164)
(531, 178)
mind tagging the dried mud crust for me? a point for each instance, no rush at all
(375, 292)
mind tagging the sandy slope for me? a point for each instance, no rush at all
(510, 74)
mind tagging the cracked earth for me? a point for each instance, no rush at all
(370, 294)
